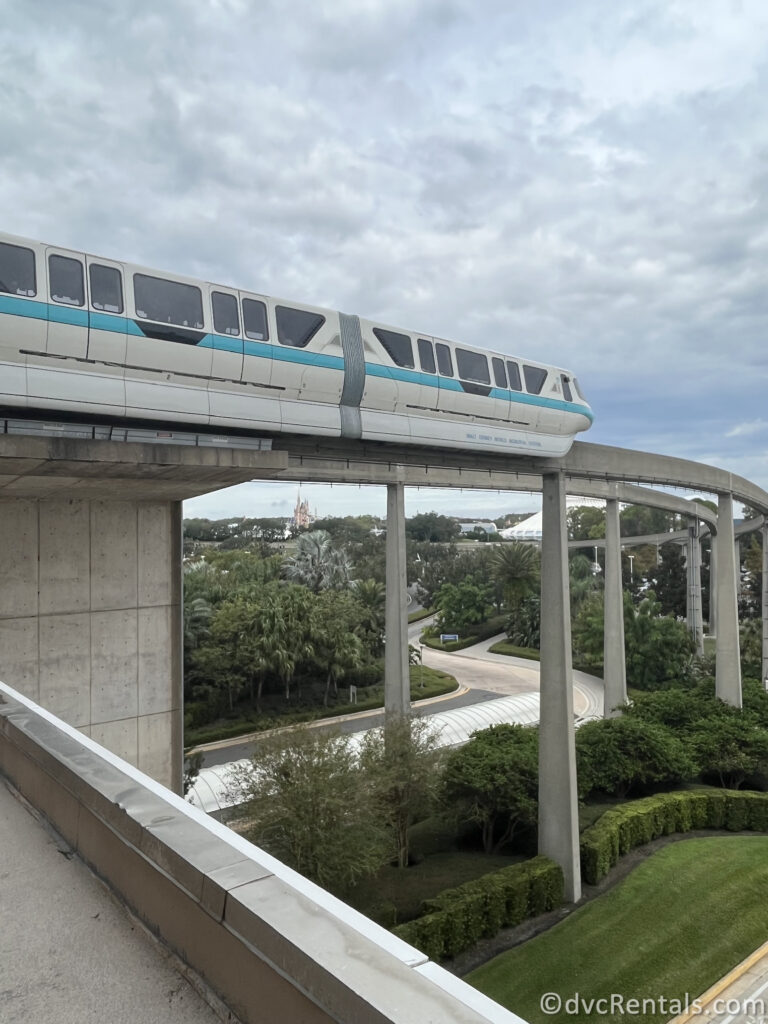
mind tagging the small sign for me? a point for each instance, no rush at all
(448, 637)
(353, 695)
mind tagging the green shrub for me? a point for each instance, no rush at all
(623, 828)
(458, 918)
(473, 635)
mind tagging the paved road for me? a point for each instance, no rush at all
(477, 667)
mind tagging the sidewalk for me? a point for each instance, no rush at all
(69, 952)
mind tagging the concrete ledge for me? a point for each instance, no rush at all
(272, 945)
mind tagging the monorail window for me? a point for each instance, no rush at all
(513, 372)
(168, 302)
(534, 379)
(578, 390)
(426, 355)
(398, 346)
(444, 361)
(255, 320)
(225, 316)
(566, 388)
(66, 277)
(106, 288)
(499, 373)
(472, 366)
(17, 270)
(296, 327)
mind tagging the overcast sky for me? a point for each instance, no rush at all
(577, 181)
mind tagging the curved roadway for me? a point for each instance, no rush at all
(478, 668)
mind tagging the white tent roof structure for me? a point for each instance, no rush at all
(530, 529)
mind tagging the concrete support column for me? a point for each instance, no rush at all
(90, 621)
(614, 660)
(693, 592)
(558, 800)
(728, 667)
(764, 538)
(397, 688)
(713, 585)
(737, 565)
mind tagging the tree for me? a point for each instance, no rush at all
(336, 647)
(308, 803)
(658, 647)
(461, 606)
(730, 747)
(751, 647)
(515, 567)
(402, 761)
(669, 580)
(197, 618)
(371, 597)
(429, 526)
(524, 628)
(349, 530)
(287, 632)
(492, 781)
(585, 522)
(616, 755)
(317, 565)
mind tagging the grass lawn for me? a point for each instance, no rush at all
(677, 924)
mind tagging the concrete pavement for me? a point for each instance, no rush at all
(69, 952)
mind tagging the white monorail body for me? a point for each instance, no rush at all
(81, 335)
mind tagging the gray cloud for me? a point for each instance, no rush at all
(579, 182)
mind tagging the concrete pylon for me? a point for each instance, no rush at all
(614, 659)
(713, 586)
(728, 666)
(764, 538)
(397, 687)
(558, 799)
(693, 592)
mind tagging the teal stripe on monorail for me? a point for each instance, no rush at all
(17, 306)
(23, 307)
(451, 384)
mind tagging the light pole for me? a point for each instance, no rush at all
(631, 568)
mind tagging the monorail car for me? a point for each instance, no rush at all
(85, 335)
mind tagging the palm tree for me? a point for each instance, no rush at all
(317, 565)
(197, 618)
(515, 567)
(371, 596)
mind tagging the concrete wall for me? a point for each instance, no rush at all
(271, 945)
(90, 620)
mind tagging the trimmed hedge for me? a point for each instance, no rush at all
(480, 632)
(623, 828)
(456, 919)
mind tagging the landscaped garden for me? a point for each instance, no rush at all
(439, 845)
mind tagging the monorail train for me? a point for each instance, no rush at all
(89, 336)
